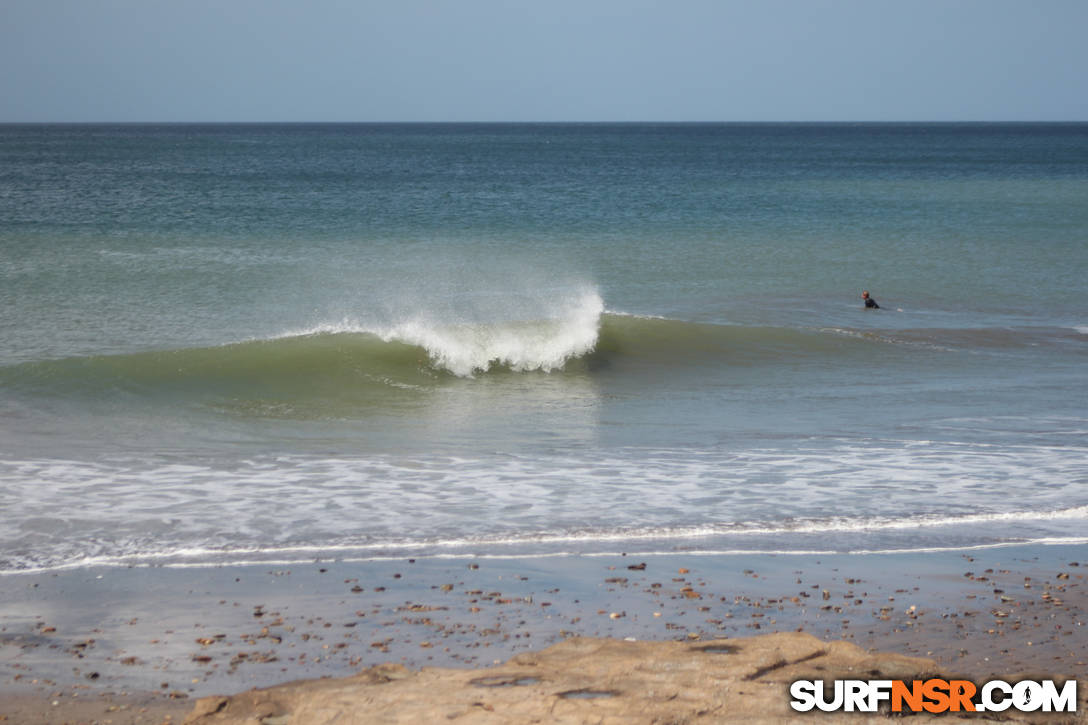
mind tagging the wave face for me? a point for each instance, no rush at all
(349, 358)
(333, 358)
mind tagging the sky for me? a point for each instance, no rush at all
(543, 60)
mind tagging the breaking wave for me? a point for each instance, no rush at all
(577, 336)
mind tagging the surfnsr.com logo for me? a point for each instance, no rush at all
(933, 695)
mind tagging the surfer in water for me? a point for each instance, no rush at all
(869, 301)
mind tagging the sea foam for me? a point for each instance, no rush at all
(567, 331)
(552, 332)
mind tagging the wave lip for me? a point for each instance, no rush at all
(566, 329)
(539, 345)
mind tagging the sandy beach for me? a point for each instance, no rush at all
(143, 644)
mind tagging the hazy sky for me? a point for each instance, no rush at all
(546, 60)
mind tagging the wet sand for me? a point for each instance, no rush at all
(147, 642)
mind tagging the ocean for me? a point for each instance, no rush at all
(285, 343)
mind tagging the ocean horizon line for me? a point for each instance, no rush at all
(674, 122)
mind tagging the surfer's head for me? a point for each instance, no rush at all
(865, 294)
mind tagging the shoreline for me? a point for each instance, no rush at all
(165, 637)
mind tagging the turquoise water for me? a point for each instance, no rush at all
(277, 341)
